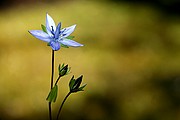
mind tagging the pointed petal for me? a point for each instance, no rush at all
(57, 33)
(67, 31)
(50, 25)
(70, 43)
(55, 45)
(40, 35)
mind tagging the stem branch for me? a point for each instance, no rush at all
(57, 79)
(62, 105)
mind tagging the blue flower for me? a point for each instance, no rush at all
(55, 36)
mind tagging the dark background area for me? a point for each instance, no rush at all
(170, 7)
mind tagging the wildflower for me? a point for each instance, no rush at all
(55, 36)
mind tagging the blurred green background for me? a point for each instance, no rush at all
(130, 60)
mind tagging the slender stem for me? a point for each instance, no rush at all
(57, 79)
(50, 113)
(52, 77)
(62, 105)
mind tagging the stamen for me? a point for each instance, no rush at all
(52, 30)
(64, 30)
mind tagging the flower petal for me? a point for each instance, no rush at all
(71, 43)
(40, 35)
(67, 31)
(50, 25)
(55, 45)
(57, 33)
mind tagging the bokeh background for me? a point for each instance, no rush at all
(130, 59)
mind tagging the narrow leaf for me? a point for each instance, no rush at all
(82, 87)
(52, 94)
(65, 46)
(71, 83)
(78, 82)
(59, 68)
(62, 65)
(70, 37)
(43, 28)
(48, 44)
(68, 71)
(63, 70)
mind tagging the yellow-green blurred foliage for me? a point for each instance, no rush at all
(130, 61)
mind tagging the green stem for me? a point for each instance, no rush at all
(52, 77)
(62, 105)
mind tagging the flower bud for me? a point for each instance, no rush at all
(63, 70)
(74, 84)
